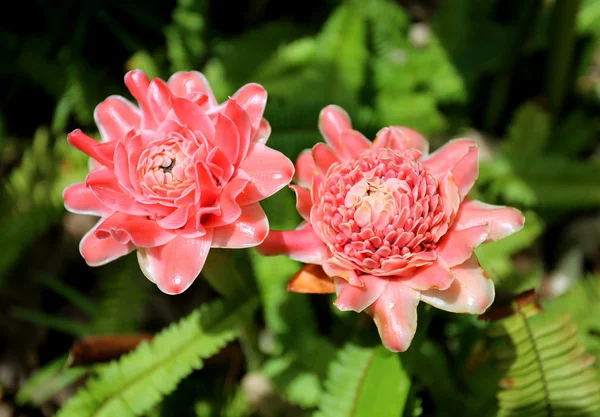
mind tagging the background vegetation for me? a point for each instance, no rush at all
(520, 76)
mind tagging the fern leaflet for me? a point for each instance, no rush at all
(139, 380)
(361, 382)
(550, 373)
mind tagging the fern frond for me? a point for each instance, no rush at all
(550, 373)
(365, 382)
(49, 380)
(135, 383)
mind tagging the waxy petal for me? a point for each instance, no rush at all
(263, 132)
(355, 298)
(173, 267)
(471, 292)
(192, 115)
(97, 252)
(269, 171)
(159, 99)
(137, 83)
(303, 201)
(142, 233)
(400, 138)
(305, 169)
(243, 123)
(436, 276)
(250, 229)
(457, 245)
(80, 199)
(395, 314)
(183, 83)
(466, 171)
(301, 244)
(333, 120)
(227, 137)
(444, 159)
(115, 117)
(324, 156)
(502, 221)
(105, 187)
(253, 99)
(89, 146)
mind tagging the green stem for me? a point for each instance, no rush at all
(560, 51)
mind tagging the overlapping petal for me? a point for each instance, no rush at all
(390, 224)
(177, 176)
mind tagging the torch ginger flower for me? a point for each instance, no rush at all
(390, 226)
(176, 176)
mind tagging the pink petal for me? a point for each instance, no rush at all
(183, 83)
(230, 209)
(303, 201)
(249, 230)
(80, 199)
(446, 158)
(115, 117)
(100, 152)
(263, 133)
(305, 169)
(333, 120)
(471, 292)
(437, 275)
(105, 187)
(142, 232)
(301, 245)
(466, 171)
(193, 116)
(176, 219)
(502, 221)
(355, 298)
(400, 138)
(97, 252)
(227, 137)
(242, 121)
(253, 99)
(159, 99)
(457, 245)
(395, 314)
(269, 171)
(450, 196)
(324, 156)
(137, 83)
(175, 265)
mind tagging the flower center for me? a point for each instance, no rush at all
(381, 214)
(165, 169)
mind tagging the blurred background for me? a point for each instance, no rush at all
(520, 76)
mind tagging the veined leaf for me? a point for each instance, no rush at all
(550, 373)
(365, 382)
(135, 383)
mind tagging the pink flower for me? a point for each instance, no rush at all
(176, 176)
(391, 225)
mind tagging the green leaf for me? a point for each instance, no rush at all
(550, 374)
(135, 383)
(365, 382)
(46, 382)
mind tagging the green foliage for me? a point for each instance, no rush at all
(550, 373)
(364, 382)
(48, 381)
(31, 197)
(132, 385)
